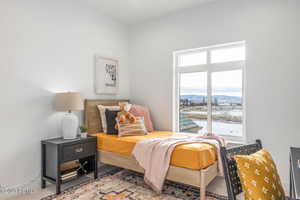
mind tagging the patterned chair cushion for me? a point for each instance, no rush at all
(259, 176)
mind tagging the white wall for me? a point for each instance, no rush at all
(47, 47)
(271, 30)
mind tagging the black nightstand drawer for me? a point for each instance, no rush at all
(77, 151)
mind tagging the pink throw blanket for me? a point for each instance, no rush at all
(154, 155)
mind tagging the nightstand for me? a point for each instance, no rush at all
(295, 172)
(57, 151)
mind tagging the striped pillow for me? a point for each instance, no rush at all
(132, 129)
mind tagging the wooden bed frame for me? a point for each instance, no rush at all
(199, 178)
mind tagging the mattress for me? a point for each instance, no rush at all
(194, 156)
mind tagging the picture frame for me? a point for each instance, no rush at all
(106, 75)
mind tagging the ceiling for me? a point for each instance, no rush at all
(135, 11)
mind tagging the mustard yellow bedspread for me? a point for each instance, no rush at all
(193, 156)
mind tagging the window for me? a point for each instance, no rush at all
(189, 59)
(209, 90)
(228, 54)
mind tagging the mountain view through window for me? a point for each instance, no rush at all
(212, 100)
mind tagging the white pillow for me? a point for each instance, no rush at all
(102, 110)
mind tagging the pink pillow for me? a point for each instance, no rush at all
(140, 111)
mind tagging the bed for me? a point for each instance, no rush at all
(191, 164)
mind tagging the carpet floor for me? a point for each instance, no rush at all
(120, 184)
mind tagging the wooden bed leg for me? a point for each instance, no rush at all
(202, 191)
(202, 185)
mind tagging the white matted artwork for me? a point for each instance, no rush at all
(106, 75)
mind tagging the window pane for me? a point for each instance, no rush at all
(198, 58)
(228, 54)
(227, 103)
(193, 102)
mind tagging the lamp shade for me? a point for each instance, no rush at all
(68, 101)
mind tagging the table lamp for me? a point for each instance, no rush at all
(69, 101)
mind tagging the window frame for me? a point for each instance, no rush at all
(209, 68)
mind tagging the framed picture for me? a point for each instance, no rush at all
(106, 75)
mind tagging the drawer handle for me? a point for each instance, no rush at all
(79, 150)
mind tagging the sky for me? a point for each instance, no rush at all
(228, 82)
(223, 83)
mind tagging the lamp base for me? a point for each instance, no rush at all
(69, 126)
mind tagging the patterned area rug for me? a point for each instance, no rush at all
(120, 184)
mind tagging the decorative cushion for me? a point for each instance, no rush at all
(132, 129)
(111, 116)
(259, 176)
(140, 111)
(102, 109)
